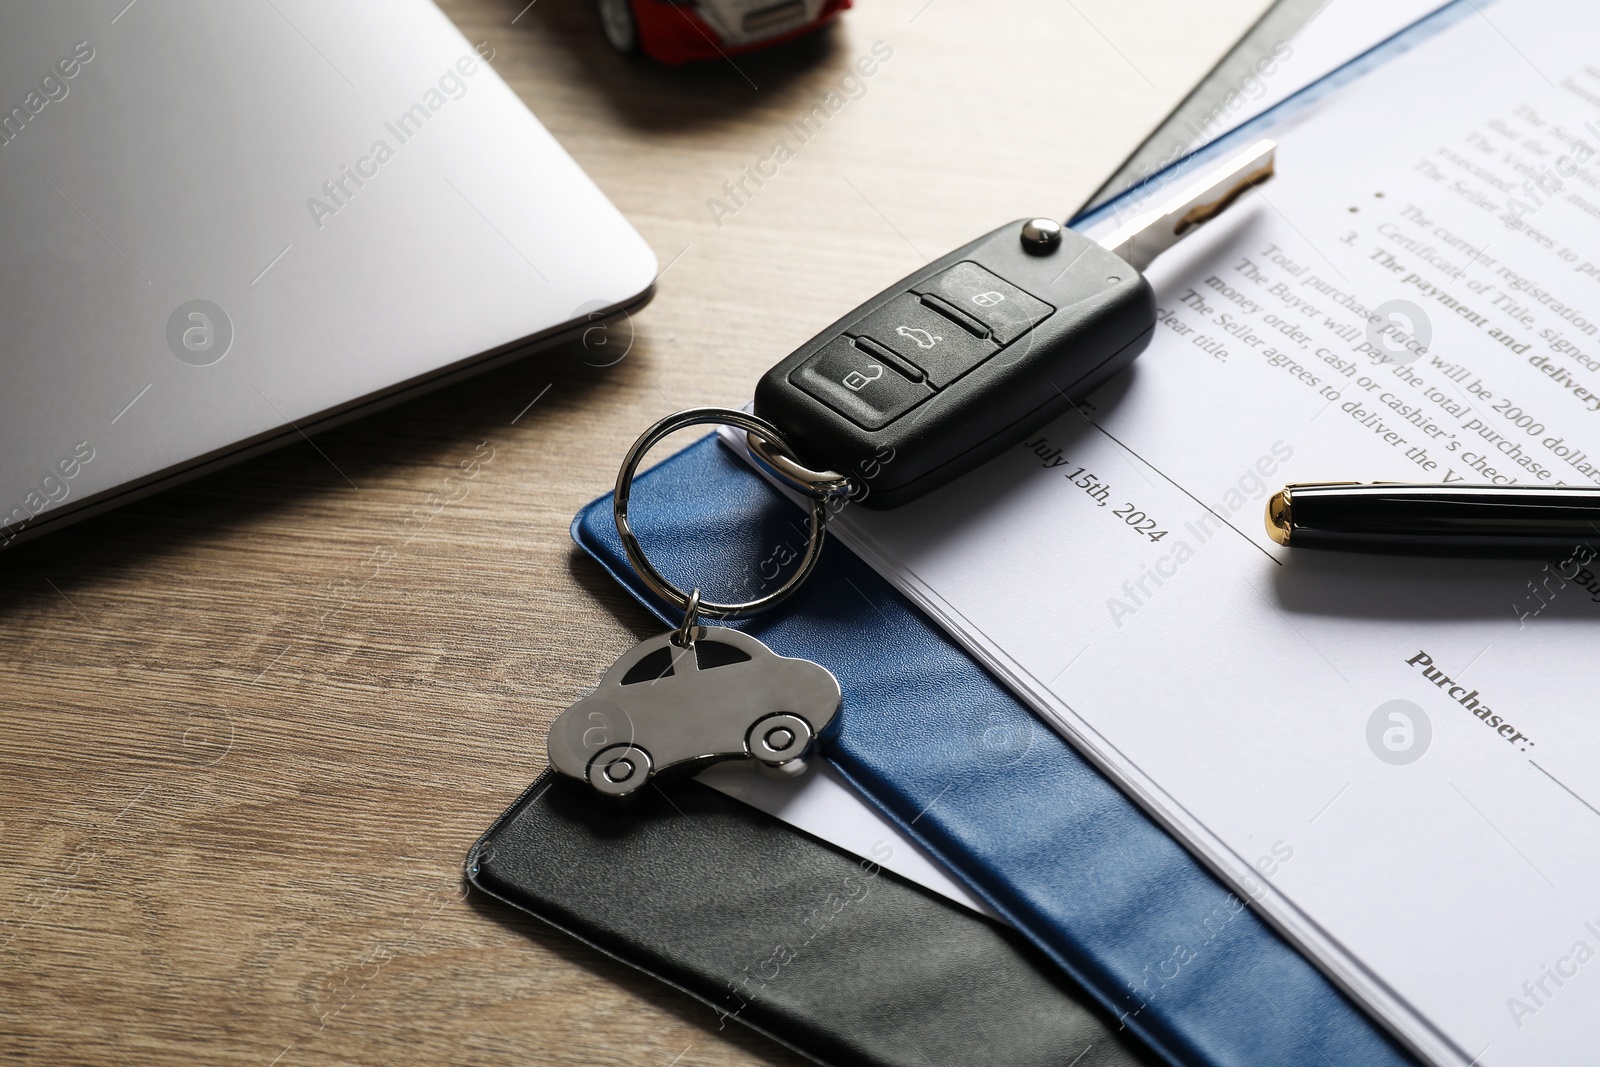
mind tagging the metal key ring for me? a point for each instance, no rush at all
(653, 578)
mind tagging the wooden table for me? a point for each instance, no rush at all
(251, 726)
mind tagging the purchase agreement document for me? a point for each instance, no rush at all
(1396, 760)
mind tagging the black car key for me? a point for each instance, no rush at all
(964, 358)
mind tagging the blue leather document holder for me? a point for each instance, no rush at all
(965, 769)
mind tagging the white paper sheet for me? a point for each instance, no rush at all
(823, 805)
(1434, 844)
(1341, 31)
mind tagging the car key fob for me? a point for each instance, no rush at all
(968, 355)
(960, 360)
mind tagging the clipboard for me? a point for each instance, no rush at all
(964, 769)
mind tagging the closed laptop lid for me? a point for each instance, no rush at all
(223, 222)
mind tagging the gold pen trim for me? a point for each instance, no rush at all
(1280, 523)
(1280, 510)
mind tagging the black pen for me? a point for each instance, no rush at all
(1404, 517)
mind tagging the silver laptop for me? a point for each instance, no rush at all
(224, 225)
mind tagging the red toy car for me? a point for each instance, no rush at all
(677, 31)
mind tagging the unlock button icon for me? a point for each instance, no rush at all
(868, 388)
(856, 379)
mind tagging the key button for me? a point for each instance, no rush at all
(999, 305)
(867, 391)
(920, 335)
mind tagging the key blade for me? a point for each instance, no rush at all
(1148, 235)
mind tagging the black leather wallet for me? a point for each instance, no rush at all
(842, 961)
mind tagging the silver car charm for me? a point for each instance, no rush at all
(665, 710)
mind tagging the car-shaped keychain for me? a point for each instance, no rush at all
(666, 710)
(679, 31)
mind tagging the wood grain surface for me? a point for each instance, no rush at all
(252, 725)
